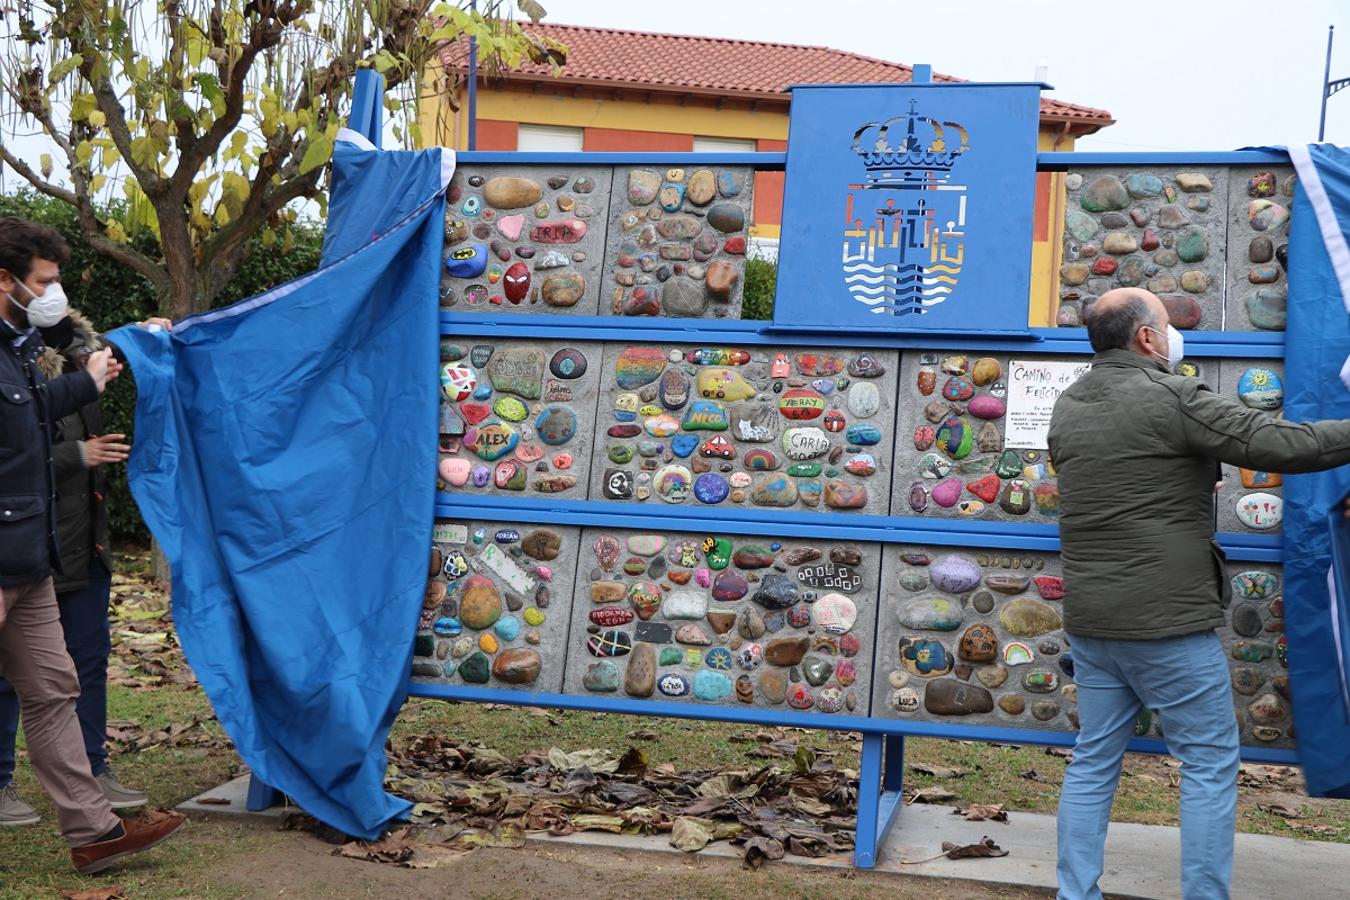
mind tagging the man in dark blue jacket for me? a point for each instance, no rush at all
(32, 647)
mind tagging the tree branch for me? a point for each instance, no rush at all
(36, 179)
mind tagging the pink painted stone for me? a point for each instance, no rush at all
(987, 407)
(947, 492)
(703, 577)
(562, 231)
(455, 472)
(510, 226)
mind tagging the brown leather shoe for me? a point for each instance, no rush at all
(141, 834)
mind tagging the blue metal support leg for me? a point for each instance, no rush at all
(869, 798)
(261, 795)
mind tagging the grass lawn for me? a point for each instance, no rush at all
(168, 743)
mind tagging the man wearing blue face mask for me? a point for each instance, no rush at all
(33, 653)
(1137, 450)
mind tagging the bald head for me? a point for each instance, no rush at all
(1115, 319)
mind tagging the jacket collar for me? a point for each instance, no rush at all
(1126, 358)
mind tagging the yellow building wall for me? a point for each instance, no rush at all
(702, 119)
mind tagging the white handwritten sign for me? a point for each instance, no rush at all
(1033, 388)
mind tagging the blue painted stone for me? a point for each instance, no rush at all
(726, 184)
(925, 656)
(624, 416)
(718, 658)
(507, 628)
(450, 666)
(823, 386)
(1261, 388)
(775, 546)
(601, 677)
(467, 262)
(809, 492)
(705, 415)
(711, 488)
(481, 476)
(683, 445)
(1140, 186)
(864, 434)
(482, 392)
(672, 195)
(711, 685)
(447, 626)
(506, 536)
(673, 685)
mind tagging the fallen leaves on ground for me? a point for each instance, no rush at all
(129, 736)
(145, 651)
(938, 771)
(806, 805)
(930, 795)
(106, 893)
(985, 849)
(982, 812)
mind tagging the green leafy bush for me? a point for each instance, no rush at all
(111, 295)
(757, 297)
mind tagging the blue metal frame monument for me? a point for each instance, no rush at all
(928, 189)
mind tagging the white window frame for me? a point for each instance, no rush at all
(724, 145)
(532, 138)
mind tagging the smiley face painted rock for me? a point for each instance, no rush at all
(1261, 388)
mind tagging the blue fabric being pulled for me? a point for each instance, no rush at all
(284, 458)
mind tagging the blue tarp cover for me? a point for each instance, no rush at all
(1316, 344)
(284, 456)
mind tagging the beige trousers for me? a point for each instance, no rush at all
(33, 657)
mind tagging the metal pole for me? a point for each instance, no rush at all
(473, 84)
(1326, 86)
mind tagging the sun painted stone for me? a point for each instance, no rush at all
(1261, 388)
(863, 434)
(987, 407)
(956, 437)
(930, 614)
(1260, 511)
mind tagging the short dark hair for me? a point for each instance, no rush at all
(1113, 328)
(22, 241)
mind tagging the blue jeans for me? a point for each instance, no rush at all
(1185, 680)
(84, 618)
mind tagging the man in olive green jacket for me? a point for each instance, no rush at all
(1137, 450)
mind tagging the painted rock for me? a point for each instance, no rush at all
(640, 677)
(845, 495)
(639, 366)
(563, 290)
(673, 483)
(987, 407)
(457, 382)
(834, 421)
(958, 387)
(601, 677)
(518, 371)
(454, 472)
(517, 666)
(864, 399)
(924, 437)
(723, 384)
(645, 598)
(673, 685)
(728, 587)
(717, 448)
(801, 403)
(985, 488)
(661, 426)
(556, 425)
(516, 282)
(567, 363)
(674, 389)
(955, 574)
(705, 415)
(761, 460)
(979, 643)
(805, 443)
(956, 437)
(711, 488)
(1046, 497)
(560, 231)
(480, 605)
(864, 434)
(475, 669)
(1025, 617)
(492, 441)
(1016, 498)
(1040, 681)
(861, 464)
(1007, 584)
(1261, 388)
(1255, 585)
(683, 445)
(510, 409)
(946, 697)
(776, 490)
(1260, 511)
(617, 484)
(776, 592)
(834, 613)
(946, 493)
(988, 439)
(611, 616)
(930, 614)
(813, 364)
(511, 192)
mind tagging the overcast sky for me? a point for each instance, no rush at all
(1178, 75)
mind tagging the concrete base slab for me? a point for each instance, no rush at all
(1141, 860)
(231, 799)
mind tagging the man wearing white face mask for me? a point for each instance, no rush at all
(1137, 450)
(33, 653)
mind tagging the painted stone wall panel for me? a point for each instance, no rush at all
(531, 238)
(677, 241)
(1159, 228)
(779, 428)
(517, 417)
(1254, 644)
(755, 621)
(496, 609)
(1260, 200)
(950, 460)
(1252, 501)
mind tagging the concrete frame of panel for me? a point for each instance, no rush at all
(1261, 196)
(664, 379)
(470, 219)
(675, 246)
(530, 377)
(531, 570)
(1168, 201)
(1234, 489)
(727, 651)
